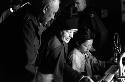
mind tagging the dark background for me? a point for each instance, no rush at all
(108, 10)
(110, 13)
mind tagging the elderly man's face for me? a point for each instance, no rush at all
(80, 5)
(50, 10)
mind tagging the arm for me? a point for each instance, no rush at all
(70, 74)
(74, 76)
(73, 61)
(4, 15)
(99, 66)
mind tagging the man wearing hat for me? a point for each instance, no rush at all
(52, 55)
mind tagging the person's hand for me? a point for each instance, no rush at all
(86, 79)
(112, 61)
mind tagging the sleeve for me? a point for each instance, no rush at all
(70, 58)
(49, 59)
(4, 15)
(98, 66)
(70, 74)
(31, 43)
(75, 62)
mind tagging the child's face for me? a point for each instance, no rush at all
(87, 45)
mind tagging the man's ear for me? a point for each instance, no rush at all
(61, 33)
(44, 9)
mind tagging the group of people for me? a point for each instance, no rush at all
(38, 43)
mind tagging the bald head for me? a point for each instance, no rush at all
(80, 5)
(50, 9)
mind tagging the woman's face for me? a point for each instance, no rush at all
(68, 34)
(87, 45)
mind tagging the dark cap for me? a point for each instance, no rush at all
(72, 23)
(84, 35)
(69, 23)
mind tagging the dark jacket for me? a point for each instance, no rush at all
(53, 60)
(21, 42)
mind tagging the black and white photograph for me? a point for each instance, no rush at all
(62, 40)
